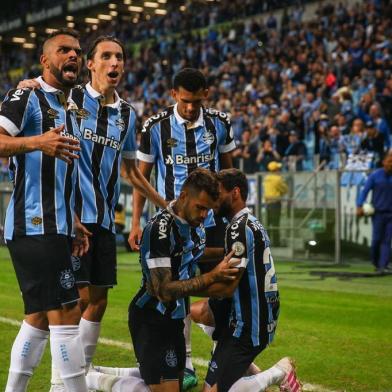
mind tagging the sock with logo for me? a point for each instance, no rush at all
(27, 350)
(68, 356)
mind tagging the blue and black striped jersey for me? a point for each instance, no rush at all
(178, 147)
(255, 306)
(42, 201)
(169, 241)
(107, 131)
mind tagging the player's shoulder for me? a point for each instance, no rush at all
(161, 223)
(18, 95)
(157, 118)
(217, 115)
(125, 105)
(237, 225)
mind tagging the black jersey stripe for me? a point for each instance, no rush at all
(211, 128)
(191, 150)
(96, 158)
(68, 183)
(111, 185)
(48, 171)
(167, 153)
(19, 196)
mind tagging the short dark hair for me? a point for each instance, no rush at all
(202, 180)
(231, 178)
(190, 79)
(104, 38)
(62, 31)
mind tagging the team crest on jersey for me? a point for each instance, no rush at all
(171, 142)
(75, 263)
(213, 366)
(52, 113)
(82, 113)
(239, 248)
(171, 358)
(36, 221)
(120, 124)
(67, 279)
(208, 137)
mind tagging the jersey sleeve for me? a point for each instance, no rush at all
(159, 243)
(147, 150)
(130, 146)
(237, 240)
(15, 111)
(226, 135)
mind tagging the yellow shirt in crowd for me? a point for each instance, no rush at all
(274, 187)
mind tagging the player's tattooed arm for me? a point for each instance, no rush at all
(165, 289)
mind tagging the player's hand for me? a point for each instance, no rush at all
(54, 144)
(28, 83)
(80, 243)
(225, 270)
(360, 211)
(134, 237)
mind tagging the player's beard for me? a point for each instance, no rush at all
(58, 74)
(224, 209)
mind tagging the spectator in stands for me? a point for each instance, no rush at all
(352, 141)
(373, 143)
(251, 149)
(380, 123)
(267, 154)
(295, 153)
(274, 188)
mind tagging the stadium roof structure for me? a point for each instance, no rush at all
(28, 22)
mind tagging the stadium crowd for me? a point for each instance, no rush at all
(296, 90)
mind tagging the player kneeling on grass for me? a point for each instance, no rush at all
(254, 306)
(246, 324)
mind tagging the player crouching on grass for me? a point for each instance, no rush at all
(247, 327)
(253, 287)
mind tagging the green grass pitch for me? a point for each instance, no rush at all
(336, 322)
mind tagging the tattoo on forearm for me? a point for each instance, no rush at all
(167, 290)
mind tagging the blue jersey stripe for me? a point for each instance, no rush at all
(250, 244)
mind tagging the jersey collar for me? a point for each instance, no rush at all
(198, 123)
(50, 89)
(96, 95)
(241, 212)
(171, 212)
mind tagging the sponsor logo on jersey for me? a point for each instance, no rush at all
(53, 113)
(171, 142)
(36, 221)
(186, 160)
(162, 226)
(152, 119)
(171, 358)
(16, 95)
(208, 137)
(82, 113)
(67, 279)
(111, 142)
(120, 124)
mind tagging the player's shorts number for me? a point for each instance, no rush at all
(270, 272)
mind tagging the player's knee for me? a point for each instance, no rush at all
(200, 311)
(96, 308)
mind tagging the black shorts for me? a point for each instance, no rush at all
(220, 309)
(230, 360)
(44, 271)
(99, 266)
(159, 344)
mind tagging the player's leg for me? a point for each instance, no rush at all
(44, 270)
(376, 239)
(282, 373)
(121, 372)
(230, 361)
(110, 383)
(159, 348)
(27, 350)
(102, 276)
(385, 243)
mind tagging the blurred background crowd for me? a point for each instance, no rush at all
(300, 91)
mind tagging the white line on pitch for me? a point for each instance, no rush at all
(128, 346)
